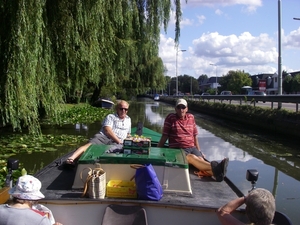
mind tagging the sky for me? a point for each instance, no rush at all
(223, 35)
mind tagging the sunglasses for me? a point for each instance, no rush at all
(181, 107)
(121, 109)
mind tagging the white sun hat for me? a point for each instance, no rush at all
(27, 188)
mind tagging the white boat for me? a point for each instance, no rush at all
(103, 103)
(187, 198)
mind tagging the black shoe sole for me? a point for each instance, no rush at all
(217, 171)
(224, 164)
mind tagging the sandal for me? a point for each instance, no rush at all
(69, 163)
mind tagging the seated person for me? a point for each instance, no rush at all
(180, 129)
(115, 128)
(260, 208)
(22, 209)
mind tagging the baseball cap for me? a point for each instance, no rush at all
(27, 188)
(181, 101)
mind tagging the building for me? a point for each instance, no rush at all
(266, 82)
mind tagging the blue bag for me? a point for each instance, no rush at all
(147, 184)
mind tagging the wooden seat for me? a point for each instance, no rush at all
(125, 215)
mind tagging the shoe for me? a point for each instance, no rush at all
(224, 164)
(217, 171)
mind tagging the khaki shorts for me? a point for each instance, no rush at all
(194, 151)
(100, 139)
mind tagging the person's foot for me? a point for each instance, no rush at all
(224, 164)
(217, 171)
(69, 163)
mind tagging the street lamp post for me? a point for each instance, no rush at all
(191, 85)
(279, 54)
(178, 50)
(216, 77)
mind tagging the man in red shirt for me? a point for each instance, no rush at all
(180, 129)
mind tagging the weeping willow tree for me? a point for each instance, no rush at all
(53, 49)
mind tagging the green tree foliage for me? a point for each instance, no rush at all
(287, 84)
(61, 50)
(202, 78)
(172, 85)
(296, 84)
(234, 80)
(185, 84)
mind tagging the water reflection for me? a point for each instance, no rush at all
(80, 126)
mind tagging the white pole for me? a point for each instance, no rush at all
(279, 54)
(216, 77)
(176, 72)
(177, 69)
(191, 86)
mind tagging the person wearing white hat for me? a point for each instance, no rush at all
(181, 131)
(25, 195)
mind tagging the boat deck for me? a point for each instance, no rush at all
(57, 183)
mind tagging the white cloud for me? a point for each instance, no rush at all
(244, 52)
(250, 5)
(201, 19)
(186, 22)
(218, 12)
(241, 43)
(293, 39)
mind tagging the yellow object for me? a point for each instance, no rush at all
(121, 189)
(24, 172)
(4, 196)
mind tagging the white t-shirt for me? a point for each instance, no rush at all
(121, 127)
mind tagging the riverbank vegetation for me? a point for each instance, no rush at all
(16, 143)
(277, 121)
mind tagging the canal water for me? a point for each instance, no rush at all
(276, 159)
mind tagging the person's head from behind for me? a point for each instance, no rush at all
(181, 107)
(26, 190)
(260, 206)
(122, 108)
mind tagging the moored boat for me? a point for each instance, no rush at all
(103, 103)
(156, 97)
(187, 198)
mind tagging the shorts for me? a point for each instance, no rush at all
(100, 139)
(194, 151)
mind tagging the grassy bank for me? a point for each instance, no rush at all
(279, 122)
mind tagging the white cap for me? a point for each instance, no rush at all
(27, 188)
(181, 101)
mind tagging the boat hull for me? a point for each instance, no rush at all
(91, 213)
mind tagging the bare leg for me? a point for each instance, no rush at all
(78, 152)
(199, 163)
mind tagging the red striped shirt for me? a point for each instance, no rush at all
(181, 131)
